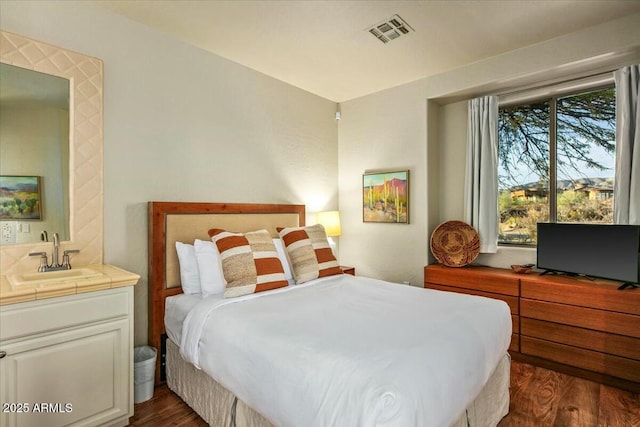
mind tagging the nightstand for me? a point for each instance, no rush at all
(348, 270)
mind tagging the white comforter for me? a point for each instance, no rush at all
(350, 351)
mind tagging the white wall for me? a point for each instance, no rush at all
(182, 124)
(453, 130)
(422, 125)
(377, 132)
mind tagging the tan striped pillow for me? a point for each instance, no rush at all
(250, 262)
(309, 253)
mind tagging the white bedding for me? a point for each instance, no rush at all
(175, 311)
(345, 351)
(177, 307)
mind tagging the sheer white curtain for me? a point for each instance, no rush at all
(481, 181)
(626, 208)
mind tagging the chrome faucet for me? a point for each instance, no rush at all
(43, 261)
(55, 264)
(66, 265)
(54, 255)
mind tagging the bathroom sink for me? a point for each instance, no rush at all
(52, 276)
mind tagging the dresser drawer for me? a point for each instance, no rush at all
(36, 317)
(616, 345)
(515, 343)
(589, 318)
(512, 301)
(614, 366)
(581, 292)
(484, 279)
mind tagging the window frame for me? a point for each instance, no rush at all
(551, 93)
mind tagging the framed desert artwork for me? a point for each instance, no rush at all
(20, 198)
(385, 197)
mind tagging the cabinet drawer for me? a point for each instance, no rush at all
(510, 300)
(599, 320)
(484, 279)
(35, 317)
(617, 345)
(599, 294)
(515, 343)
(614, 366)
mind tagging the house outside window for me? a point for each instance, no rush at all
(556, 158)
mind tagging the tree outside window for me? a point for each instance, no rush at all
(556, 163)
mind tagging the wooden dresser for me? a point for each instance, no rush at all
(483, 281)
(586, 328)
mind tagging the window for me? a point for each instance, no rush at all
(556, 162)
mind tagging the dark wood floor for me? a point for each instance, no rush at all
(539, 398)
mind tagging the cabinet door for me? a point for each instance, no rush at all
(78, 377)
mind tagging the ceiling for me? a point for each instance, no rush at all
(324, 47)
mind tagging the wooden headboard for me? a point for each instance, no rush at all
(170, 222)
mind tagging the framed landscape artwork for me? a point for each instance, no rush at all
(385, 197)
(20, 198)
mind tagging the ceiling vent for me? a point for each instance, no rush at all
(390, 29)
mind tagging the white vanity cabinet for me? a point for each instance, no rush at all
(68, 360)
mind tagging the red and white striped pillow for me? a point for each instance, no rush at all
(309, 253)
(250, 262)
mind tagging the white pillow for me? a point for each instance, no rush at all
(189, 273)
(208, 258)
(282, 255)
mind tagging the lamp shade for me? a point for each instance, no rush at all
(330, 220)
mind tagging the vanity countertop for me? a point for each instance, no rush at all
(111, 277)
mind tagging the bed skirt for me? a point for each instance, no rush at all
(215, 404)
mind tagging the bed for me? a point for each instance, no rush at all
(338, 350)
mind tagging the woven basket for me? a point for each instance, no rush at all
(455, 243)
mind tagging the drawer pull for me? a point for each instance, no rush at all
(2, 354)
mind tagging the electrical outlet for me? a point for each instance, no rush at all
(8, 232)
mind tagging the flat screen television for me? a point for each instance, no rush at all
(605, 251)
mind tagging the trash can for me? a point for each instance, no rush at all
(144, 370)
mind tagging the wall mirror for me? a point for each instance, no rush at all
(82, 172)
(34, 148)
